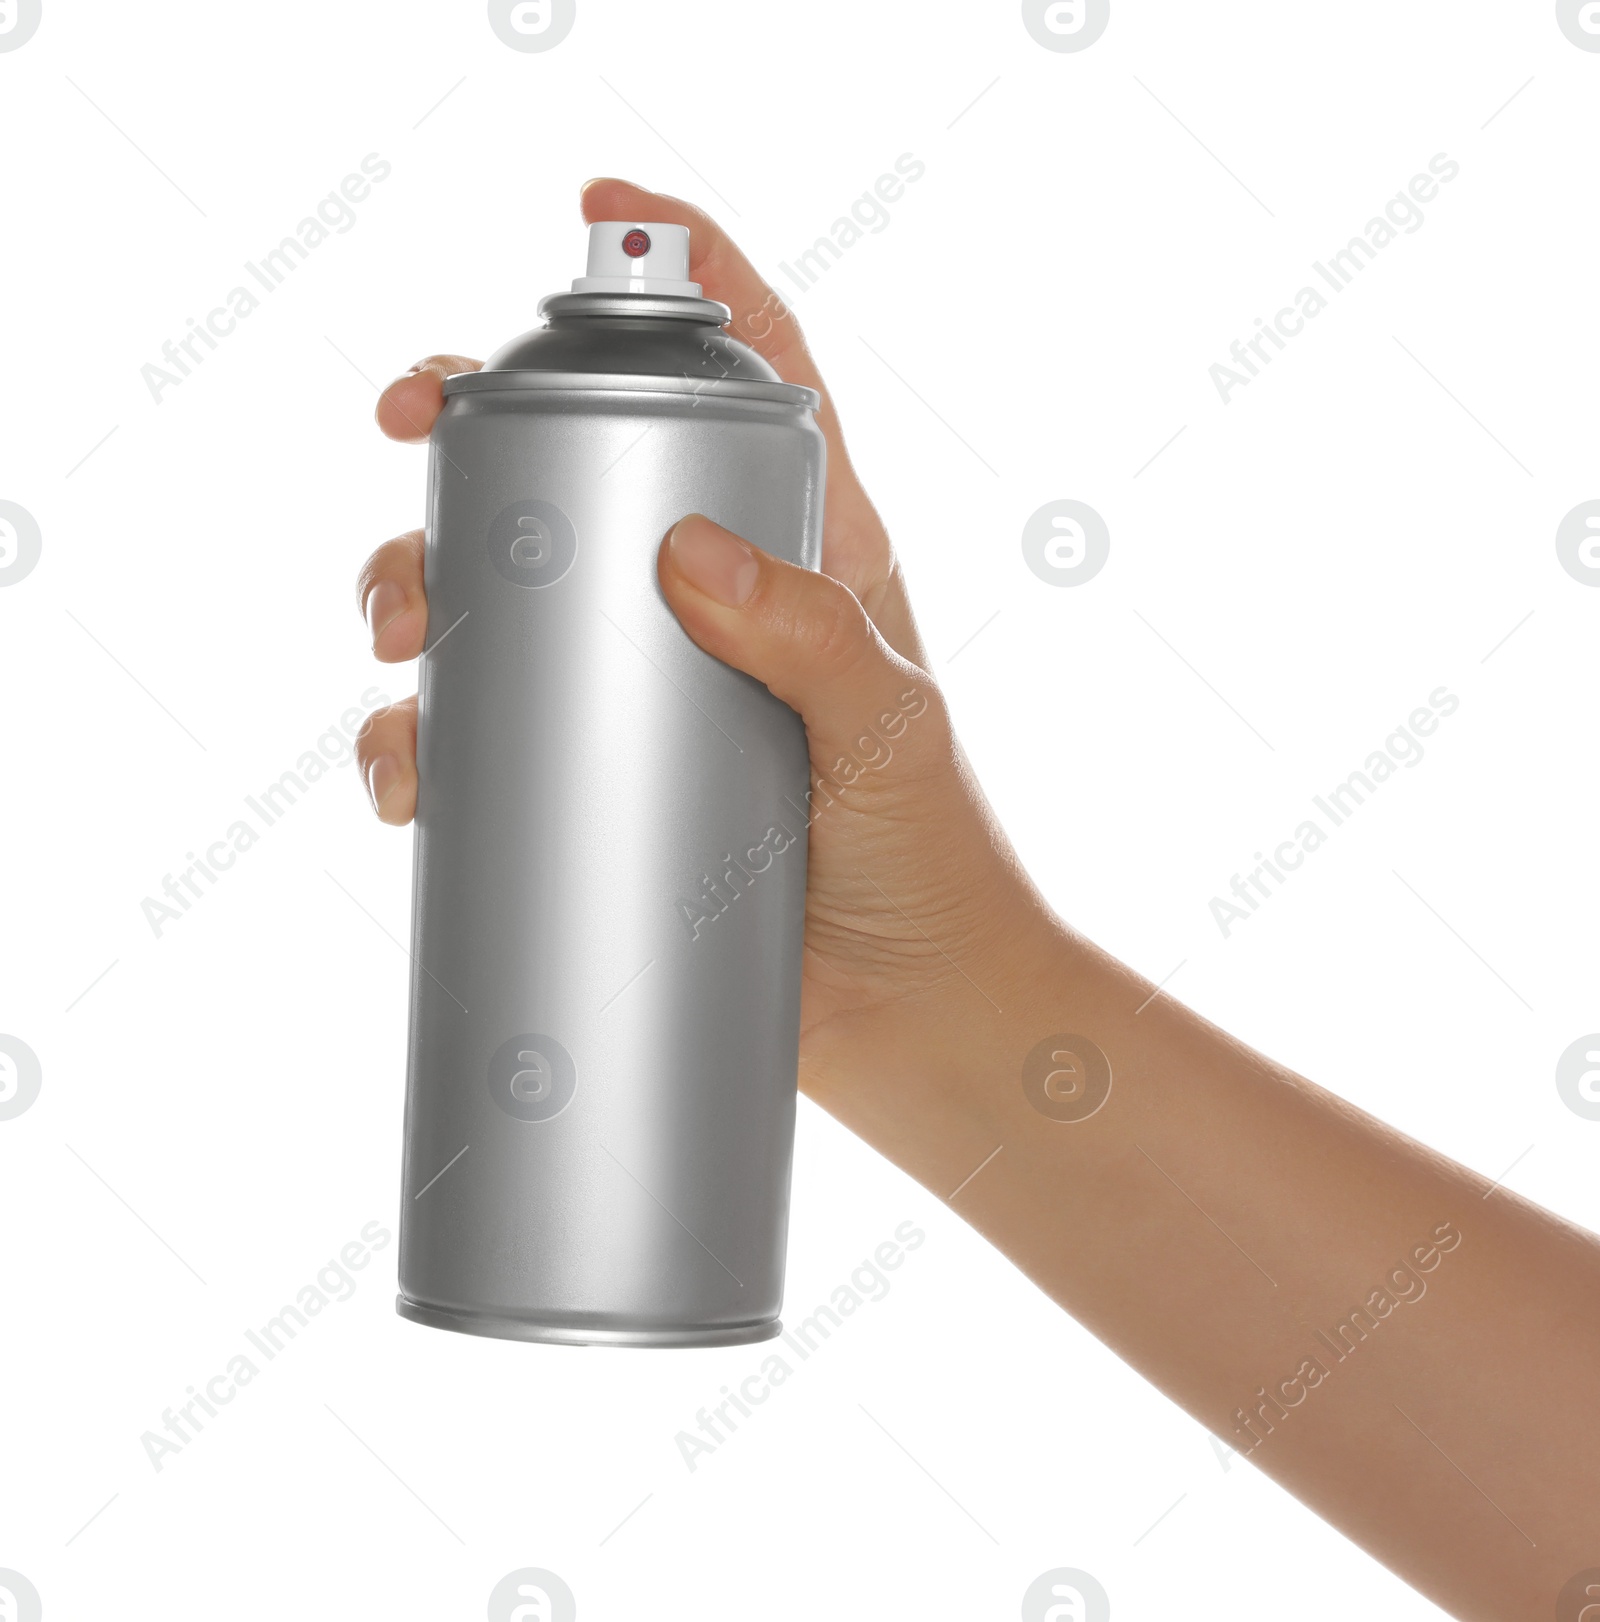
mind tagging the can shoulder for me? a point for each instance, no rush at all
(662, 337)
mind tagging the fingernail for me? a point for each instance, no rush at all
(385, 603)
(719, 564)
(381, 780)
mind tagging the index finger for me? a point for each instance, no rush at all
(856, 549)
(760, 317)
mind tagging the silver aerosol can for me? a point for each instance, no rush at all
(611, 834)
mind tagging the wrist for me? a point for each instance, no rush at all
(936, 1081)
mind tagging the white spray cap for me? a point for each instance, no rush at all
(638, 256)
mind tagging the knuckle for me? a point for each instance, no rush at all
(384, 731)
(399, 560)
(367, 740)
(835, 635)
(446, 365)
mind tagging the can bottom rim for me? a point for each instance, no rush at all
(566, 1334)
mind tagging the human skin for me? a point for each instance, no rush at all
(1217, 1213)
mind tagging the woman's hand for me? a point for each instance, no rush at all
(917, 913)
(1249, 1242)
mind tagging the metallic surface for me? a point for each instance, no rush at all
(730, 388)
(555, 305)
(610, 851)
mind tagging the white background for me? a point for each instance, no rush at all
(1324, 551)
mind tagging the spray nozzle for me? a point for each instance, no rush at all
(630, 256)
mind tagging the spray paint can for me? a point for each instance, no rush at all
(609, 888)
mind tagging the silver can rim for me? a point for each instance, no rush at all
(498, 1327)
(661, 306)
(728, 388)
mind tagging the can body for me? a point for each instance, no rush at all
(610, 873)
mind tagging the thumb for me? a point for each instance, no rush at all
(802, 634)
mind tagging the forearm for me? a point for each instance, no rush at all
(1218, 1219)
